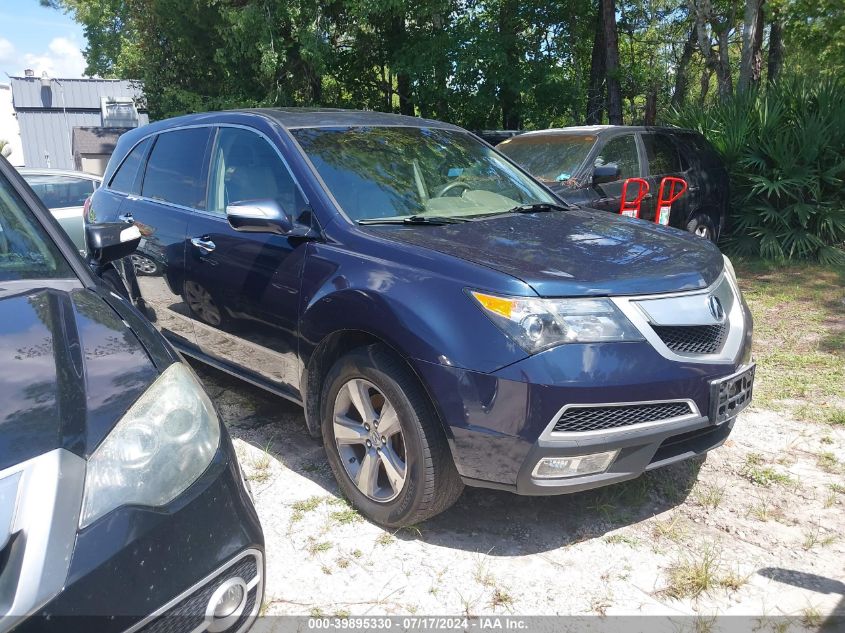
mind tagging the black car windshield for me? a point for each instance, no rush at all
(549, 157)
(26, 251)
(399, 172)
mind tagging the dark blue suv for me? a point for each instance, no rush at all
(441, 316)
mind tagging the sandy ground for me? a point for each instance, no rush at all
(755, 529)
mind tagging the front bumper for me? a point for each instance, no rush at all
(499, 424)
(144, 569)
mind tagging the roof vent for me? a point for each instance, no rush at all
(118, 112)
(29, 72)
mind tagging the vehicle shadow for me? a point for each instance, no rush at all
(813, 582)
(496, 522)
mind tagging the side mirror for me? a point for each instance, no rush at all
(606, 173)
(259, 216)
(111, 241)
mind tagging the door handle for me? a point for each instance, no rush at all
(126, 217)
(204, 245)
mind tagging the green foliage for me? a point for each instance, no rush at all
(785, 150)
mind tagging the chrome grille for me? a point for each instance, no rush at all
(598, 418)
(693, 339)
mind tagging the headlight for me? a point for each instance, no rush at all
(729, 270)
(159, 448)
(537, 324)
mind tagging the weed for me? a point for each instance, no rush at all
(709, 496)
(699, 573)
(501, 598)
(827, 462)
(760, 475)
(308, 505)
(315, 547)
(357, 553)
(669, 529)
(385, 539)
(346, 516)
(621, 539)
(342, 562)
(811, 617)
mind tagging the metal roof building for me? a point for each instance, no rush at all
(49, 110)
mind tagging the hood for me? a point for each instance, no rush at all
(69, 369)
(575, 252)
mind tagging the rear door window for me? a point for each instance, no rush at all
(663, 157)
(126, 178)
(622, 152)
(58, 192)
(176, 170)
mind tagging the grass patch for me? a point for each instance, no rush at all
(697, 574)
(759, 474)
(316, 547)
(622, 539)
(501, 598)
(797, 363)
(346, 516)
(385, 539)
(828, 462)
(709, 497)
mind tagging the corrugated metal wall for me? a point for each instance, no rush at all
(45, 135)
(48, 115)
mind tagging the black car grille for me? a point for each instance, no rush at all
(581, 419)
(189, 612)
(693, 339)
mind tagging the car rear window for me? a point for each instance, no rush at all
(57, 192)
(26, 250)
(549, 157)
(176, 168)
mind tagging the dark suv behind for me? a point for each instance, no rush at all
(122, 505)
(441, 316)
(566, 160)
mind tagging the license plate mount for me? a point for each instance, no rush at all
(730, 395)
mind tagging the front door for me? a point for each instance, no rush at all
(621, 151)
(242, 288)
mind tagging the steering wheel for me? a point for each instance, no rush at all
(450, 186)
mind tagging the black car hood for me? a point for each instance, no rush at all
(576, 252)
(69, 369)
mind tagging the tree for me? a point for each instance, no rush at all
(750, 67)
(611, 62)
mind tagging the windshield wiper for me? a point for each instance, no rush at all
(433, 220)
(539, 207)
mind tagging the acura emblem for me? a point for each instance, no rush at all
(716, 308)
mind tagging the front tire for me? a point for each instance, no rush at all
(384, 441)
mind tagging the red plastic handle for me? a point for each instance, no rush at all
(631, 208)
(677, 188)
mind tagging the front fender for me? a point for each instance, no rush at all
(423, 315)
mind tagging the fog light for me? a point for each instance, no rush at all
(560, 467)
(226, 604)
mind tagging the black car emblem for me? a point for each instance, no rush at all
(716, 308)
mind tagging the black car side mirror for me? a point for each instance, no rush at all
(606, 173)
(111, 241)
(259, 216)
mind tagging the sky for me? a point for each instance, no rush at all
(46, 40)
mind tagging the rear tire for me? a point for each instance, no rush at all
(702, 226)
(413, 476)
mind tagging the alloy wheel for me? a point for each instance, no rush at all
(144, 264)
(201, 303)
(369, 440)
(703, 230)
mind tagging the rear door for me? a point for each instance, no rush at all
(619, 150)
(243, 288)
(160, 201)
(662, 159)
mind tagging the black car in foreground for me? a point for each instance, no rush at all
(122, 505)
(587, 165)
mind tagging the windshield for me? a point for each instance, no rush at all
(549, 157)
(398, 172)
(26, 251)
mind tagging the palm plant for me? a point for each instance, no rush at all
(785, 150)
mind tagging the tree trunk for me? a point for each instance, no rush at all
(752, 41)
(723, 67)
(595, 92)
(509, 78)
(716, 61)
(611, 62)
(775, 48)
(398, 36)
(705, 85)
(651, 106)
(679, 95)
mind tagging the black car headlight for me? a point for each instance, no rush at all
(537, 324)
(161, 446)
